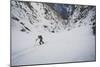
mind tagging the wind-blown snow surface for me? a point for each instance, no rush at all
(68, 37)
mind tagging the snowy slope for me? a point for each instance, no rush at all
(68, 36)
(62, 47)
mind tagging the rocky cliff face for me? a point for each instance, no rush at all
(49, 17)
